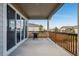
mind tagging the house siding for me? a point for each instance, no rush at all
(1, 29)
(33, 28)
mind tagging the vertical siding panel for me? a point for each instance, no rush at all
(1, 30)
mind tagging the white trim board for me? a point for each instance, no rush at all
(4, 29)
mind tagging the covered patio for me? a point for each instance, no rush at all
(52, 44)
(39, 47)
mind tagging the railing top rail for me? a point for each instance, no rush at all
(37, 31)
(64, 33)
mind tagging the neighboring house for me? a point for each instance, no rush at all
(52, 30)
(33, 27)
(76, 29)
(55, 29)
(69, 29)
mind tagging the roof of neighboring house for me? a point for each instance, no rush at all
(33, 25)
(75, 27)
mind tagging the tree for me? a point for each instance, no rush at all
(72, 30)
(56, 29)
(40, 28)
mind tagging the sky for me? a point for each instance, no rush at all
(65, 16)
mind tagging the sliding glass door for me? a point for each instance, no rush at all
(10, 27)
(16, 28)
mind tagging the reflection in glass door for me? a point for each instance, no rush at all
(25, 29)
(22, 28)
(18, 28)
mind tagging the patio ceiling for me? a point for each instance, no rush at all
(38, 10)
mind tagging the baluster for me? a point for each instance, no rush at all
(75, 45)
(70, 43)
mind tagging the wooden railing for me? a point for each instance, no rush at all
(65, 40)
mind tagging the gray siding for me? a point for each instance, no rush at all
(78, 33)
(1, 30)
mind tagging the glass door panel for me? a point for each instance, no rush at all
(18, 28)
(25, 29)
(22, 28)
(10, 27)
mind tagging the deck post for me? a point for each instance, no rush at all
(48, 27)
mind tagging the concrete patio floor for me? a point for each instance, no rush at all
(39, 47)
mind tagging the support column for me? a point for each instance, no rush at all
(48, 27)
